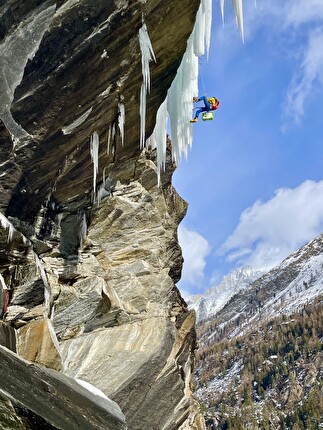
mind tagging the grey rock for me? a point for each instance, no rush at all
(109, 260)
(59, 400)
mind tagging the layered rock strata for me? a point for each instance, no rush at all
(89, 256)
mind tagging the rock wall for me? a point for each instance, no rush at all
(89, 258)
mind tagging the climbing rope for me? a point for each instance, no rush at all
(201, 64)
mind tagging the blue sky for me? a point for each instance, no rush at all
(254, 176)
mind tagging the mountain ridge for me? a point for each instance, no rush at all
(260, 360)
(216, 297)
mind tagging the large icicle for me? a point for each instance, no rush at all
(178, 103)
(183, 89)
(147, 55)
(94, 151)
(222, 9)
(237, 6)
(160, 137)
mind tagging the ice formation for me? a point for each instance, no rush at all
(2, 283)
(178, 103)
(15, 51)
(237, 6)
(71, 127)
(111, 136)
(94, 151)
(47, 289)
(83, 230)
(121, 121)
(5, 223)
(147, 55)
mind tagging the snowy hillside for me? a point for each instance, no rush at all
(260, 361)
(214, 299)
(285, 289)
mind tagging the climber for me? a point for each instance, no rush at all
(211, 103)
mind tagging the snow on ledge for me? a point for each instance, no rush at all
(94, 390)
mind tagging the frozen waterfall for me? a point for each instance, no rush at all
(178, 103)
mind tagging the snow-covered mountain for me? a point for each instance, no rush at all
(298, 280)
(259, 364)
(215, 298)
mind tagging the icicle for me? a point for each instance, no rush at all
(4, 291)
(83, 230)
(202, 29)
(103, 174)
(238, 10)
(113, 133)
(159, 137)
(208, 25)
(71, 127)
(147, 55)
(121, 121)
(47, 289)
(5, 223)
(109, 139)
(94, 151)
(2, 283)
(237, 6)
(222, 9)
(143, 100)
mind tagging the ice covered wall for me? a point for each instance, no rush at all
(178, 104)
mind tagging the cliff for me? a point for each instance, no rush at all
(89, 255)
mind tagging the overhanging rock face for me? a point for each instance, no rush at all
(89, 255)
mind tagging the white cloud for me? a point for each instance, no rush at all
(195, 249)
(303, 12)
(308, 77)
(269, 231)
(299, 25)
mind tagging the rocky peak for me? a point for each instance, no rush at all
(215, 298)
